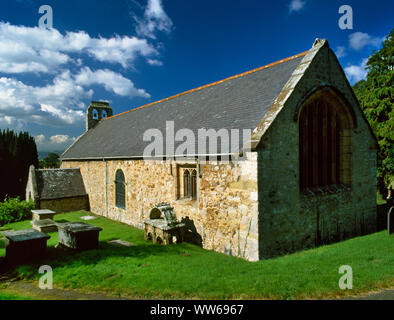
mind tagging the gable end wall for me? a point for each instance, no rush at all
(288, 220)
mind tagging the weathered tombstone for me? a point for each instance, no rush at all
(78, 235)
(25, 244)
(88, 217)
(162, 226)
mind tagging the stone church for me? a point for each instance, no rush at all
(308, 174)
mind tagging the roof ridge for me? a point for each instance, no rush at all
(213, 83)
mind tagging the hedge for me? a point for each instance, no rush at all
(14, 210)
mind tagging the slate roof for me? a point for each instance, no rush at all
(238, 102)
(59, 183)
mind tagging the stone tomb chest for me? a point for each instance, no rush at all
(25, 244)
(162, 225)
(42, 220)
(78, 235)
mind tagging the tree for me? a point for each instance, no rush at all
(17, 153)
(376, 97)
(51, 161)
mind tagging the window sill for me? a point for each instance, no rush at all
(186, 200)
(331, 189)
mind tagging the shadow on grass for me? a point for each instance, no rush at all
(62, 221)
(61, 257)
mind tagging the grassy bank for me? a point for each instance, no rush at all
(187, 271)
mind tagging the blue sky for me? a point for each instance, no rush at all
(132, 52)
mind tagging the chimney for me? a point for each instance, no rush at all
(96, 111)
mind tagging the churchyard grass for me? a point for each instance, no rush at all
(11, 296)
(184, 270)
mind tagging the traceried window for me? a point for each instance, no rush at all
(193, 185)
(120, 198)
(187, 182)
(324, 143)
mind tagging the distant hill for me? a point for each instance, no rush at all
(44, 154)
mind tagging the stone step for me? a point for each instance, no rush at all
(45, 225)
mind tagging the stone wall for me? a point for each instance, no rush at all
(289, 220)
(223, 218)
(65, 204)
(31, 186)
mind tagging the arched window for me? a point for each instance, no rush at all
(104, 114)
(193, 184)
(120, 199)
(186, 184)
(324, 142)
(95, 115)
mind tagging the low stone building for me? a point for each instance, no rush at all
(60, 190)
(305, 176)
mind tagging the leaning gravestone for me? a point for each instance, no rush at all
(390, 221)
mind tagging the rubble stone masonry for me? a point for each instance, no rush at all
(222, 218)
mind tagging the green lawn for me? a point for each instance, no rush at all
(11, 296)
(187, 271)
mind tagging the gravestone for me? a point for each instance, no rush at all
(78, 235)
(25, 244)
(390, 221)
(88, 217)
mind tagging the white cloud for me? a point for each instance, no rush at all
(39, 139)
(59, 138)
(11, 123)
(55, 104)
(340, 52)
(111, 81)
(33, 49)
(356, 72)
(122, 50)
(55, 142)
(296, 5)
(60, 102)
(359, 40)
(154, 62)
(155, 19)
